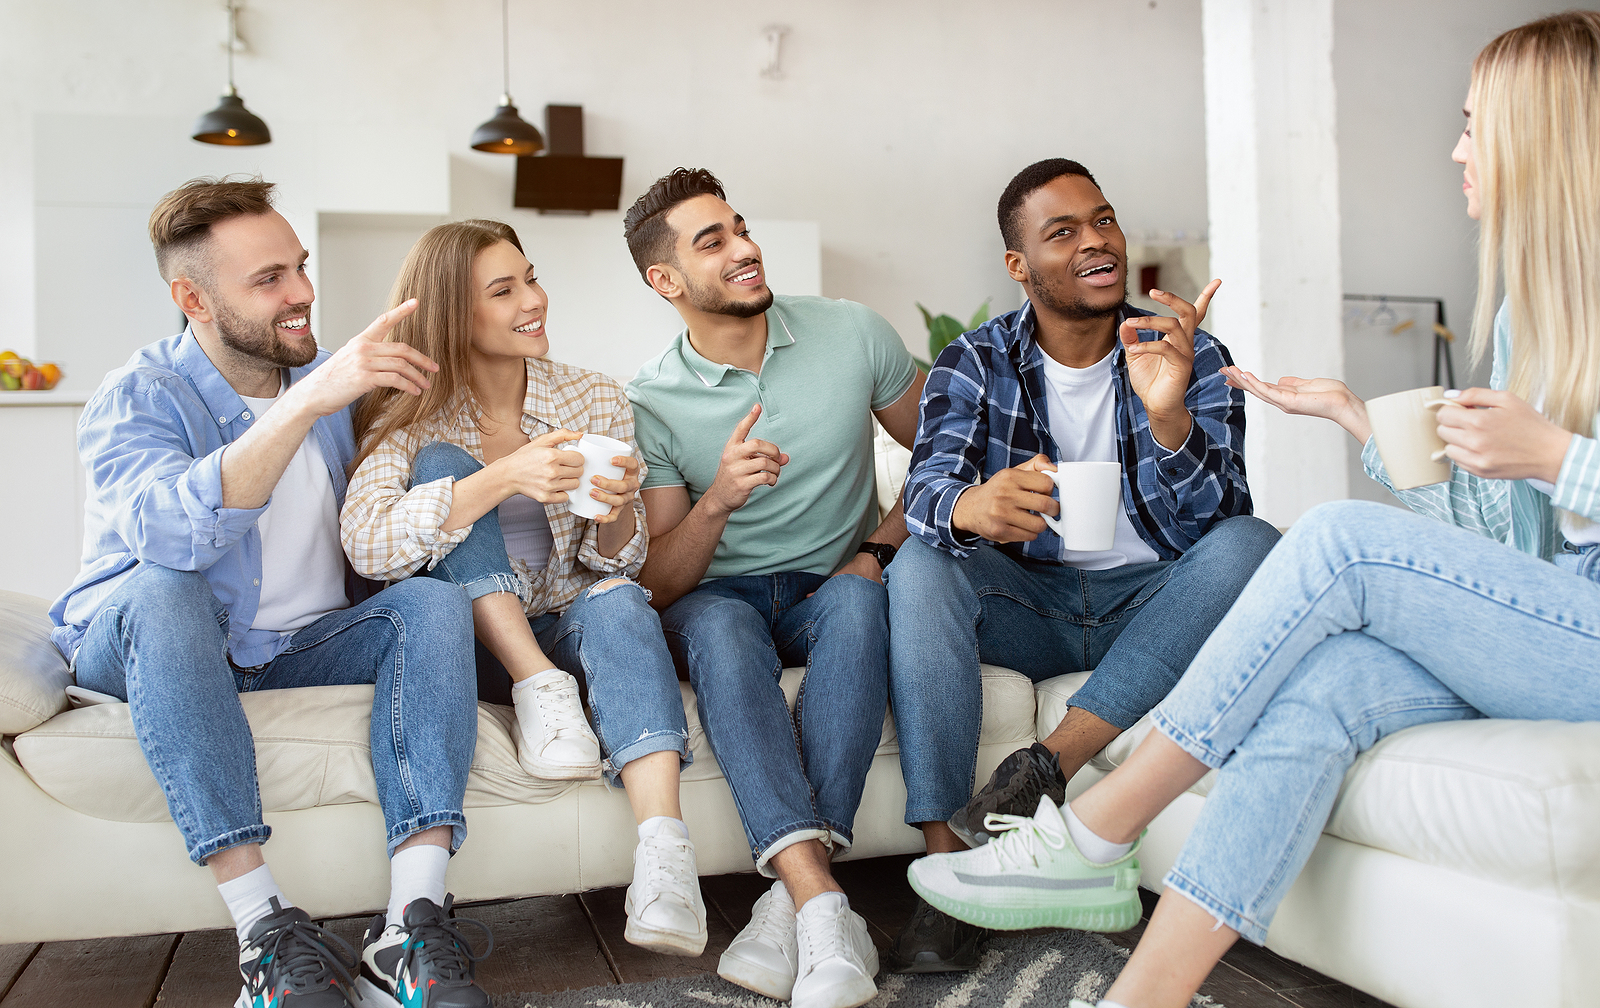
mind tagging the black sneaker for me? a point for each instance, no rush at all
(423, 962)
(935, 942)
(1014, 789)
(286, 962)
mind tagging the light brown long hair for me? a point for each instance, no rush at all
(438, 273)
(1536, 136)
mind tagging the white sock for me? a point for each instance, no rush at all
(657, 825)
(1090, 844)
(415, 873)
(249, 898)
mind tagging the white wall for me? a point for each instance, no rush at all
(895, 127)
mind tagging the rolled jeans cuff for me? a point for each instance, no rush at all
(491, 583)
(403, 831)
(256, 834)
(788, 837)
(1187, 742)
(1249, 930)
(654, 742)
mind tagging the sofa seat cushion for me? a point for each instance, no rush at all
(312, 749)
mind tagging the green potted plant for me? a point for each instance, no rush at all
(943, 330)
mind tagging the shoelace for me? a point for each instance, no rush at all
(300, 956)
(1017, 839)
(773, 919)
(444, 949)
(560, 707)
(667, 862)
(823, 942)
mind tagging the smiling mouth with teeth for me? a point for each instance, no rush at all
(531, 327)
(294, 324)
(749, 274)
(1098, 270)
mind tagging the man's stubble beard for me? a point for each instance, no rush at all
(714, 303)
(261, 340)
(1044, 294)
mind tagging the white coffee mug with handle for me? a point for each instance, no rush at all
(597, 451)
(1091, 492)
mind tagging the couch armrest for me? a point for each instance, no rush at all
(33, 675)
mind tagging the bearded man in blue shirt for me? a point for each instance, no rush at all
(1075, 375)
(212, 566)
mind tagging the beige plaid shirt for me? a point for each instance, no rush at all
(390, 528)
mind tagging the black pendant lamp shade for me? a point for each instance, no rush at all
(507, 132)
(231, 124)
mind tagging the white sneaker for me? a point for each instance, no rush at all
(665, 911)
(764, 957)
(554, 741)
(837, 958)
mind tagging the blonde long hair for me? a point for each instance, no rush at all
(1536, 131)
(438, 273)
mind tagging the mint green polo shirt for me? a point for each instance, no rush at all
(828, 365)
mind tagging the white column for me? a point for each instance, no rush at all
(1273, 187)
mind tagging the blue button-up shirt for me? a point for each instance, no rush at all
(984, 410)
(151, 440)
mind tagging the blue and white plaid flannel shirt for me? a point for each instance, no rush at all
(983, 410)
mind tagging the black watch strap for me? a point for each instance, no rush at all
(881, 552)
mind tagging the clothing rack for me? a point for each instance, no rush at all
(1442, 336)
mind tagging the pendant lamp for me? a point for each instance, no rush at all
(230, 123)
(507, 132)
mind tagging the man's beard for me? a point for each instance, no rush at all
(713, 302)
(261, 340)
(1043, 293)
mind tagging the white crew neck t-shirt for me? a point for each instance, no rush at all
(1082, 415)
(302, 562)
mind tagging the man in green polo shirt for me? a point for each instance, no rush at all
(766, 552)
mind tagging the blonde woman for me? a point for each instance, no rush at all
(468, 483)
(1366, 620)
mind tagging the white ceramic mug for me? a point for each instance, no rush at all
(1091, 492)
(1407, 431)
(597, 451)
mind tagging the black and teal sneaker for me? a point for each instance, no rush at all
(1018, 783)
(422, 962)
(289, 962)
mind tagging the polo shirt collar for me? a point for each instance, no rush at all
(711, 373)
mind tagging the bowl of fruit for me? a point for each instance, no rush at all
(19, 374)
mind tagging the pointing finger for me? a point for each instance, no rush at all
(1203, 302)
(379, 329)
(741, 430)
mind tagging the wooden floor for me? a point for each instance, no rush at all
(552, 943)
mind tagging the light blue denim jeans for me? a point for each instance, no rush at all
(1366, 620)
(798, 777)
(1137, 626)
(608, 638)
(160, 643)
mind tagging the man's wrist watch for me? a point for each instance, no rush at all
(881, 552)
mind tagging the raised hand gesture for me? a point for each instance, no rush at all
(1328, 398)
(1159, 369)
(365, 363)
(746, 464)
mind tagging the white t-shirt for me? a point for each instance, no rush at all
(526, 530)
(302, 562)
(1082, 413)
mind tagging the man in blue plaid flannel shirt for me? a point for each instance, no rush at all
(1075, 375)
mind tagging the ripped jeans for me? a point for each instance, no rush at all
(609, 637)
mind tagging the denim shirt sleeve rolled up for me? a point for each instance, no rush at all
(151, 440)
(984, 409)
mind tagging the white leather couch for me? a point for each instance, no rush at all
(1460, 867)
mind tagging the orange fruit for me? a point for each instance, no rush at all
(52, 374)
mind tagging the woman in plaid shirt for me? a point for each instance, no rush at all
(467, 482)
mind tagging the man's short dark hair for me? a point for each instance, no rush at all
(1035, 176)
(650, 240)
(180, 225)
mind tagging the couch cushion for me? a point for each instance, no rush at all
(1054, 695)
(312, 749)
(33, 675)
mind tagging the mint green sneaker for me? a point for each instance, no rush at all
(1031, 875)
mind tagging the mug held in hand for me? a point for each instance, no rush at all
(1407, 432)
(1091, 493)
(597, 451)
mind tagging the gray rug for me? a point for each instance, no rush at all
(1031, 970)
